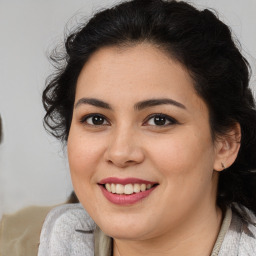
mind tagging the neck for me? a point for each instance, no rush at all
(195, 237)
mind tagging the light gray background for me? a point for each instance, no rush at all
(33, 166)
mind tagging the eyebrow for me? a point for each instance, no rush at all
(93, 102)
(155, 102)
(138, 106)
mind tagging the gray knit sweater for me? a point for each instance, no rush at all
(69, 231)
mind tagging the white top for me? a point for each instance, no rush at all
(69, 231)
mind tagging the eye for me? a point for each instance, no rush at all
(160, 120)
(94, 119)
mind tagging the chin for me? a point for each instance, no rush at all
(123, 228)
(124, 233)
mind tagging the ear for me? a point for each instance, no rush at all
(227, 147)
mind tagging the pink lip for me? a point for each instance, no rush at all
(125, 181)
(125, 199)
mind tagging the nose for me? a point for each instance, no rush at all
(124, 149)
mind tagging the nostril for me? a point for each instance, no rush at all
(123, 153)
(121, 164)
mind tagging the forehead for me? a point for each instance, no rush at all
(135, 73)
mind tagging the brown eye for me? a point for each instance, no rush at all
(160, 120)
(94, 119)
(97, 120)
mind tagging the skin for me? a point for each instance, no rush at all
(180, 216)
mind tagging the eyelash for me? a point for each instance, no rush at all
(85, 118)
(167, 118)
(171, 120)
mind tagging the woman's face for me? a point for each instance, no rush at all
(138, 123)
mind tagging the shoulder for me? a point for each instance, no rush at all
(244, 222)
(69, 215)
(240, 238)
(67, 230)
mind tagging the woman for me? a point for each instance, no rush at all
(159, 121)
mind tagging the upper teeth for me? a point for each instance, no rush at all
(127, 189)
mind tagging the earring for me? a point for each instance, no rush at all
(223, 166)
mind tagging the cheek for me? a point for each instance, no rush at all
(185, 164)
(84, 153)
(188, 154)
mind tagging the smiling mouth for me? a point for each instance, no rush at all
(127, 189)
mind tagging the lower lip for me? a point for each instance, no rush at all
(126, 199)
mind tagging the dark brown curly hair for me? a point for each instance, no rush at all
(201, 43)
